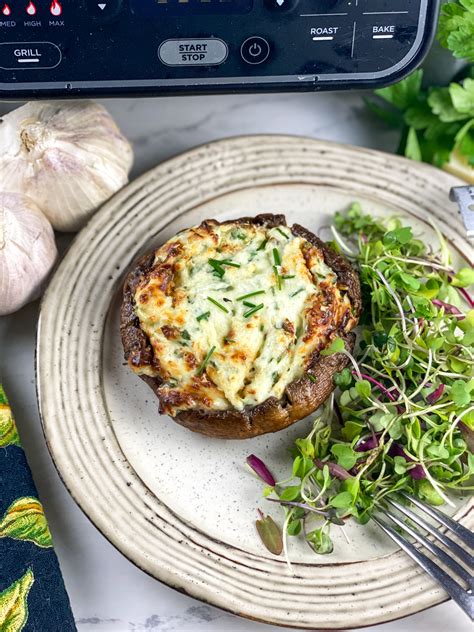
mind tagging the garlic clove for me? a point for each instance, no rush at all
(27, 251)
(69, 157)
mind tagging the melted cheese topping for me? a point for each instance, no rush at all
(215, 346)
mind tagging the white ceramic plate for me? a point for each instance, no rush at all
(180, 506)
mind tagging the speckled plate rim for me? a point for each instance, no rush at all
(70, 397)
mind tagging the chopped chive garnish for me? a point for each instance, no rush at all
(185, 335)
(282, 233)
(204, 316)
(276, 257)
(297, 292)
(253, 310)
(288, 276)
(278, 277)
(226, 262)
(311, 377)
(205, 362)
(216, 265)
(242, 298)
(248, 304)
(217, 304)
(262, 245)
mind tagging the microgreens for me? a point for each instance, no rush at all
(402, 418)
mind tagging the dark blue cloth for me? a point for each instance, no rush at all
(33, 597)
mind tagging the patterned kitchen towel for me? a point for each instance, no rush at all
(32, 593)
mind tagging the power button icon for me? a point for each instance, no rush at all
(255, 50)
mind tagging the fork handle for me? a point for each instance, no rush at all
(464, 598)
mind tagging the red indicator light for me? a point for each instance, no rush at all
(55, 8)
(6, 10)
(31, 9)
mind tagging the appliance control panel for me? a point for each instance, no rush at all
(61, 48)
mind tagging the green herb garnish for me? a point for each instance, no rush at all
(205, 362)
(217, 304)
(245, 296)
(185, 335)
(311, 377)
(204, 316)
(288, 276)
(282, 233)
(297, 292)
(276, 257)
(262, 245)
(217, 266)
(253, 310)
(248, 304)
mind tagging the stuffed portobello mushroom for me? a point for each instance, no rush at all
(227, 321)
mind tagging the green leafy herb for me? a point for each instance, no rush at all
(205, 362)
(463, 278)
(343, 379)
(336, 346)
(217, 304)
(456, 28)
(270, 534)
(320, 541)
(436, 125)
(185, 334)
(276, 257)
(311, 377)
(204, 316)
(263, 245)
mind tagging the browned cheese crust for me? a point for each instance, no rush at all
(301, 397)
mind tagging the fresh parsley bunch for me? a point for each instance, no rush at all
(402, 418)
(437, 123)
(456, 28)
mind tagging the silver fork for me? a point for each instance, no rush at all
(462, 592)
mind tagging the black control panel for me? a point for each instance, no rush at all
(60, 48)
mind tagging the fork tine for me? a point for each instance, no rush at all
(448, 543)
(462, 533)
(454, 590)
(442, 555)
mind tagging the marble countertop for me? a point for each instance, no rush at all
(108, 594)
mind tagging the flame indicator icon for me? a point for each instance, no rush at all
(6, 10)
(56, 8)
(31, 9)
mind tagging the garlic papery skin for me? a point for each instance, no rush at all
(27, 251)
(69, 157)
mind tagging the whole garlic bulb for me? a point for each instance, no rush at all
(69, 157)
(27, 251)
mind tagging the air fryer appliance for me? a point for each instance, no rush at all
(60, 48)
